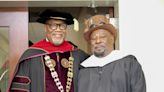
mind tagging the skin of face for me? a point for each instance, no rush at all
(102, 42)
(55, 36)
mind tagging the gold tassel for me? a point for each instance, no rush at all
(76, 25)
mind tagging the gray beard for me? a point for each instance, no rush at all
(58, 43)
(99, 54)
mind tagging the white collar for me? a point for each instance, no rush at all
(94, 61)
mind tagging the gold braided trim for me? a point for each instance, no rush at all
(50, 64)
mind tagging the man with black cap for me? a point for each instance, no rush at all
(52, 64)
(108, 70)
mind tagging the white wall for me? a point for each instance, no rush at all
(142, 34)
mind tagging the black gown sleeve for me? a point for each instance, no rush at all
(21, 80)
(137, 79)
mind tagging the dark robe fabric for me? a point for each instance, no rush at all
(31, 74)
(122, 75)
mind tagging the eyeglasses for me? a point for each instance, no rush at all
(55, 26)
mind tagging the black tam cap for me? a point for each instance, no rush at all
(52, 14)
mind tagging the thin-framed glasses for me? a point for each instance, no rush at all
(54, 26)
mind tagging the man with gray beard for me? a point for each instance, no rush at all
(52, 64)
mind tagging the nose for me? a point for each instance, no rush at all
(58, 29)
(98, 39)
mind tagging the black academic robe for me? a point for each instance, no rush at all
(31, 73)
(122, 75)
